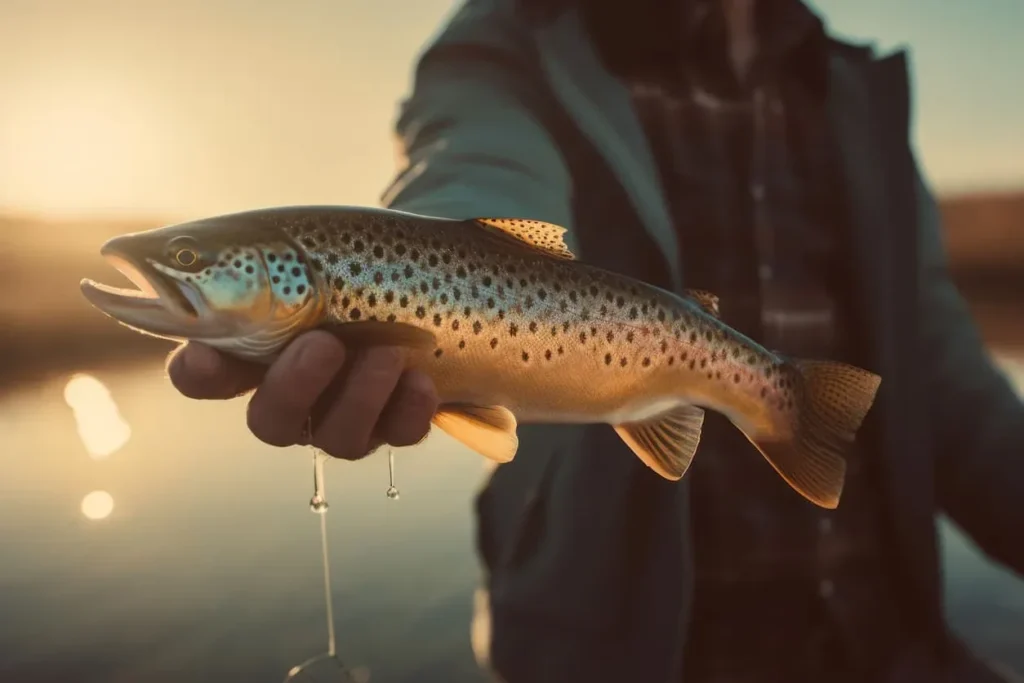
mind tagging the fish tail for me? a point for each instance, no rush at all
(830, 400)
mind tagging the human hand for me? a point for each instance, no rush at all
(356, 400)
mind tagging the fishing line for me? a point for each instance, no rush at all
(325, 666)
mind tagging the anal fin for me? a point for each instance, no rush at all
(488, 430)
(666, 443)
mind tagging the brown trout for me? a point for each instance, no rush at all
(507, 323)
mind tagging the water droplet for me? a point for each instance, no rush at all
(392, 492)
(318, 504)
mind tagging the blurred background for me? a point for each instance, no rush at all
(149, 538)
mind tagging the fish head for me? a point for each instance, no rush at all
(237, 282)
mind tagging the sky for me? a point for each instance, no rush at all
(184, 108)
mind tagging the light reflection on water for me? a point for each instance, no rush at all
(210, 570)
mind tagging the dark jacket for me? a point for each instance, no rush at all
(586, 553)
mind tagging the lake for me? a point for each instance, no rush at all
(208, 568)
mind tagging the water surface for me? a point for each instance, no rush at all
(207, 567)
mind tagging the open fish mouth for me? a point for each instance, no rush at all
(160, 305)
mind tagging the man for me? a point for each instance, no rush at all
(733, 147)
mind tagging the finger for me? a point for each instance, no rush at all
(201, 372)
(348, 423)
(281, 405)
(407, 416)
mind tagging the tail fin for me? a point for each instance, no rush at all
(831, 401)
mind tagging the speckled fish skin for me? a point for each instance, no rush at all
(516, 323)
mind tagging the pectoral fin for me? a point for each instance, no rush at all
(488, 430)
(380, 333)
(666, 443)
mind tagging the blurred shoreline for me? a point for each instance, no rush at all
(49, 329)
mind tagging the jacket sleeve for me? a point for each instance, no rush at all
(977, 417)
(470, 137)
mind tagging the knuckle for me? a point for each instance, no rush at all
(264, 427)
(385, 361)
(317, 353)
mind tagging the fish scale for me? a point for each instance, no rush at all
(510, 327)
(564, 332)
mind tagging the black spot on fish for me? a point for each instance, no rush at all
(358, 246)
(623, 361)
(494, 342)
(477, 327)
(237, 264)
(296, 271)
(437, 353)
(437, 320)
(276, 279)
(547, 354)
(408, 271)
(421, 312)
(646, 362)
(287, 290)
(403, 301)
(378, 251)
(607, 359)
(354, 314)
(355, 268)
(301, 289)
(526, 356)
(371, 300)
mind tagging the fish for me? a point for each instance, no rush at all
(510, 326)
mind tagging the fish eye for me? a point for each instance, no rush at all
(186, 257)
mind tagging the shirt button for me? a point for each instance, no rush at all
(826, 588)
(825, 525)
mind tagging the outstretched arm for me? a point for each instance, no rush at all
(977, 417)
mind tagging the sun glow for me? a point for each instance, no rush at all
(100, 426)
(71, 146)
(97, 505)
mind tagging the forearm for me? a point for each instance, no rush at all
(977, 417)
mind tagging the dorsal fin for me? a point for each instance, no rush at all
(544, 237)
(706, 300)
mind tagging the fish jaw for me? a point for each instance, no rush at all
(230, 301)
(161, 306)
